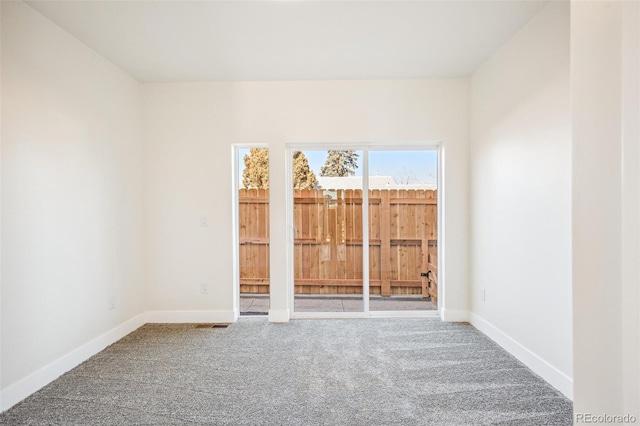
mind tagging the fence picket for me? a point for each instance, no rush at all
(328, 242)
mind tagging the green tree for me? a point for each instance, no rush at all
(256, 169)
(340, 163)
(303, 176)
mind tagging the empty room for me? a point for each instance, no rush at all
(320, 212)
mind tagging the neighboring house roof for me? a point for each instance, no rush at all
(375, 182)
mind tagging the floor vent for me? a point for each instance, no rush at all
(252, 313)
(211, 325)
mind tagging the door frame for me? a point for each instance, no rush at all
(365, 148)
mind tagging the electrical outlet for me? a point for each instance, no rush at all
(112, 303)
(483, 295)
(204, 288)
(203, 221)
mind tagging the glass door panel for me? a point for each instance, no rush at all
(253, 230)
(327, 220)
(403, 230)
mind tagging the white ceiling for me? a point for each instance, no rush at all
(160, 41)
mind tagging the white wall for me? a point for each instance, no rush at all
(0, 208)
(190, 129)
(72, 199)
(631, 206)
(605, 97)
(520, 226)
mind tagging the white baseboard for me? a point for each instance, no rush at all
(45, 375)
(173, 317)
(449, 315)
(548, 372)
(279, 315)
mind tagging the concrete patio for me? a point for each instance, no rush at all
(258, 304)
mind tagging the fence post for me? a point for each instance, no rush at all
(385, 243)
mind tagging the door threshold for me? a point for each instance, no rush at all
(363, 315)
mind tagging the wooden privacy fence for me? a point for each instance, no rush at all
(328, 241)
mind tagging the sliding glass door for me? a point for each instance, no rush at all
(381, 258)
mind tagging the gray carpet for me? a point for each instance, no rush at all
(306, 372)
